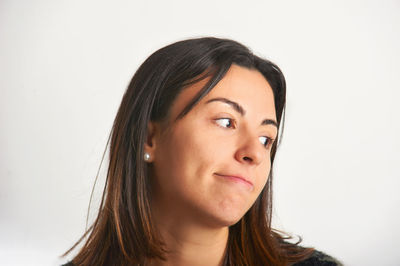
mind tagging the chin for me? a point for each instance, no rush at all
(223, 213)
(230, 213)
(230, 222)
(226, 219)
(233, 221)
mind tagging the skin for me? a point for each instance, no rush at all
(194, 200)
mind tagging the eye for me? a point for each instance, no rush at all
(266, 141)
(225, 122)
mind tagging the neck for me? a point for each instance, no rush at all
(191, 243)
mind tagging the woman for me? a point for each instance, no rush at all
(189, 179)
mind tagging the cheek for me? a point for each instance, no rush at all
(263, 173)
(183, 157)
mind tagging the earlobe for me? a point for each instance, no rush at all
(147, 157)
(150, 142)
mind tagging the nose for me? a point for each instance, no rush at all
(250, 151)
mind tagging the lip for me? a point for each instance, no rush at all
(237, 178)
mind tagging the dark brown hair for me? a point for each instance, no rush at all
(123, 232)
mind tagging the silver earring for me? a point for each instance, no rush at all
(146, 156)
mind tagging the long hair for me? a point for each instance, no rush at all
(123, 232)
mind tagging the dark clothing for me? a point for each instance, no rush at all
(319, 259)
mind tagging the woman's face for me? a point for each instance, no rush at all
(210, 166)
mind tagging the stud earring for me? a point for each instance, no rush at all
(146, 156)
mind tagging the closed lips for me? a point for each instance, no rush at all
(238, 177)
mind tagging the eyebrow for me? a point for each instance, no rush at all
(238, 108)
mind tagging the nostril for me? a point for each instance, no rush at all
(247, 158)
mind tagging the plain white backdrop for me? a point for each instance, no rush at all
(65, 65)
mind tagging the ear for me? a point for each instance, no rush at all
(151, 139)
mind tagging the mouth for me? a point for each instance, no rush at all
(238, 179)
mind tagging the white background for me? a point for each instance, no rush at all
(64, 66)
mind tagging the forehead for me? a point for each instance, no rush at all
(247, 87)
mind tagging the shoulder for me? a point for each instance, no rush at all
(319, 258)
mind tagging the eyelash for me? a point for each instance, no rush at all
(233, 122)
